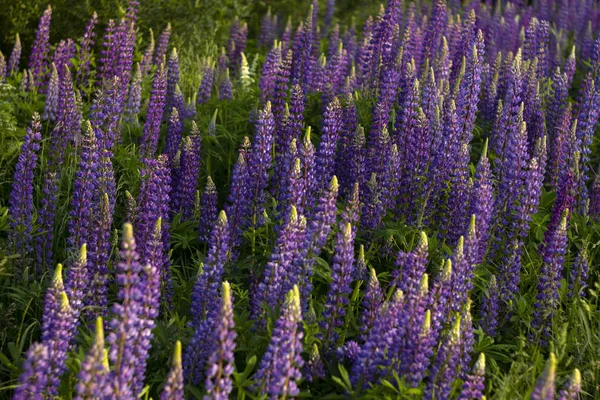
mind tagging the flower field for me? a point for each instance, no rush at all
(322, 204)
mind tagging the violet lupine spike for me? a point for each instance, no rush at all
(572, 388)
(205, 88)
(279, 370)
(188, 181)
(269, 73)
(412, 266)
(134, 98)
(83, 191)
(173, 389)
(302, 70)
(3, 73)
(108, 54)
(20, 203)
(52, 96)
(94, 368)
(360, 269)
(339, 290)
(348, 149)
(259, 162)
(208, 209)
(371, 303)
(467, 341)
(239, 203)
(84, 52)
(544, 388)
(267, 30)
(325, 158)
(221, 362)
(63, 54)
(44, 241)
(474, 384)
(308, 159)
(100, 256)
(443, 370)
(172, 80)
(68, 119)
(314, 369)
(38, 59)
(226, 89)
(490, 308)
(280, 273)
(58, 339)
(553, 251)
(77, 282)
(15, 57)
(423, 351)
(560, 148)
(482, 205)
(162, 47)
(174, 137)
(435, 29)
(52, 305)
(154, 115)
(578, 277)
(36, 373)
(280, 94)
(146, 62)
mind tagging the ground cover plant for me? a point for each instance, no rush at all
(399, 206)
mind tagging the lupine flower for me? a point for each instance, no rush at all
(3, 71)
(341, 277)
(238, 207)
(208, 209)
(553, 250)
(38, 59)
(269, 73)
(221, 362)
(205, 87)
(332, 125)
(172, 80)
(63, 54)
(94, 368)
(68, 119)
(83, 190)
(43, 242)
(173, 389)
(280, 94)
(174, 136)
(188, 180)
(52, 96)
(579, 274)
(146, 62)
(226, 89)
(267, 29)
(76, 285)
(134, 99)
(259, 161)
(154, 115)
(21, 196)
(443, 370)
(108, 54)
(411, 266)
(572, 388)
(15, 57)
(100, 244)
(474, 384)
(162, 47)
(544, 388)
(587, 122)
(280, 367)
(490, 308)
(36, 373)
(84, 52)
(482, 203)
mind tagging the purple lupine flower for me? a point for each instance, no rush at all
(68, 119)
(100, 244)
(146, 62)
(329, 10)
(303, 50)
(443, 370)
(76, 283)
(467, 341)
(109, 53)
(93, 373)
(579, 274)
(371, 303)
(20, 203)
(63, 54)
(172, 79)
(308, 159)
(280, 94)
(38, 58)
(15, 57)
(205, 87)
(360, 270)
(207, 284)
(133, 320)
(226, 89)
(490, 308)
(572, 388)
(84, 52)
(239, 203)
(173, 140)
(435, 29)
(259, 162)
(482, 203)
(237, 43)
(560, 148)
(59, 333)
(154, 115)
(281, 273)
(411, 267)
(36, 373)
(341, 278)
(134, 99)
(83, 191)
(208, 209)
(188, 180)
(440, 298)
(43, 241)
(267, 29)
(162, 47)
(325, 158)
(544, 388)
(553, 250)
(269, 73)
(221, 362)
(314, 368)
(373, 353)
(474, 384)
(52, 96)
(280, 367)
(173, 389)
(350, 151)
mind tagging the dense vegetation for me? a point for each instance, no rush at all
(243, 200)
